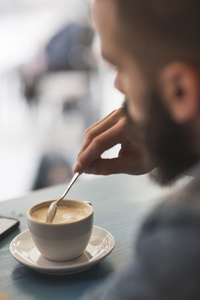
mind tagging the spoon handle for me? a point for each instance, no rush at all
(69, 186)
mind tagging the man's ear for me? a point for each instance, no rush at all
(180, 90)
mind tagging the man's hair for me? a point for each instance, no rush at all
(158, 31)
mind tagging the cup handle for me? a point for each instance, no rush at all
(88, 202)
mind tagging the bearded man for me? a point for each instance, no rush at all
(155, 47)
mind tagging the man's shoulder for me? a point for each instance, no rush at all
(180, 209)
(188, 195)
(179, 213)
(169, 245)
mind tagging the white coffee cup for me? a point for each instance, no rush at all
(68, 236)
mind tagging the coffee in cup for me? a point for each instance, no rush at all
(67, 212)
(68, 235)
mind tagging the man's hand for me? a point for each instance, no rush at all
(102, 136)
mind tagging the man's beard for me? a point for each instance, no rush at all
(168, 147)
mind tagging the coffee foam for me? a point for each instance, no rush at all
(66, 213)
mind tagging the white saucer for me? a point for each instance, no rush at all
(100, 245)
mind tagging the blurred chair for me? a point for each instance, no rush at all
(68, 50)
(63, 87)
(53, 169)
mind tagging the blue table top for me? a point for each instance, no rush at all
(120, 203)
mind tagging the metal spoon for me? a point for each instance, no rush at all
(53, 207)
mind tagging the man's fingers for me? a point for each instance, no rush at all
(99, 144)
(100, 127)
(102, 120)
(128, 165)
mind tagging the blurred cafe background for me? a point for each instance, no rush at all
(53, 85)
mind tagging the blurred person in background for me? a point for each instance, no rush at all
(155, 48)
(70, 49)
